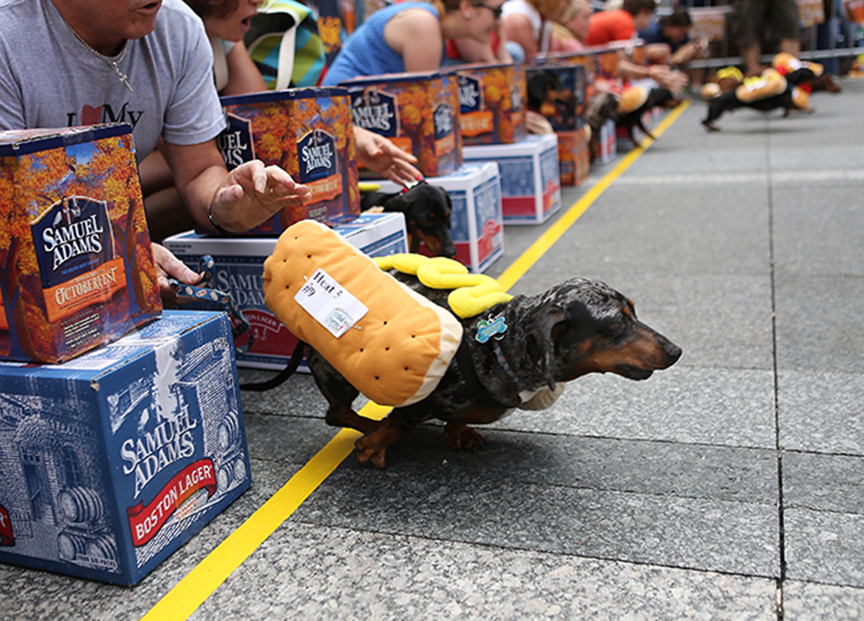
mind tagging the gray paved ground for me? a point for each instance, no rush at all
(728, 487)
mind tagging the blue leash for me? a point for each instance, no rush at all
(202, 297)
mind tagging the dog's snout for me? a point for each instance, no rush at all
(673, 353)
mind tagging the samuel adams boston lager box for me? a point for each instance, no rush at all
(113, 460)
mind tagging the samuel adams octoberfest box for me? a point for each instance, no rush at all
(76, 265)
(492, 103)
(307, 132)
(418, 112)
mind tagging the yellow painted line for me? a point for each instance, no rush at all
(181, 601)
(193, 590)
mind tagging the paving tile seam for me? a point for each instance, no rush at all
(806, 507)
(636, 440)
(774, 177)
(814, 581)
(823, 453)
(833, 276)
(634, 493)
(783, 178)
(556, 553)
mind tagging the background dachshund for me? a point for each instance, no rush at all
(577, 327)
(628, 119)
(602, 107)
(427, 215)
(727, 102)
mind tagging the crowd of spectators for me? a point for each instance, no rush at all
(160, 61)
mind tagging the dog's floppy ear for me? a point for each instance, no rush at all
(550, 325)
(398, 202)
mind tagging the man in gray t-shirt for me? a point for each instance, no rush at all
(81, 62)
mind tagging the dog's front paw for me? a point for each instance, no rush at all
(370, 452)
(462, 436)
(709, 126)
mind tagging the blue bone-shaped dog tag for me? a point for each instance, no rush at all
(488, 329)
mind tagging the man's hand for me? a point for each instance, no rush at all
(169, 266)
(674, 80)
(687, 52)
(380, 155)
(236, 201)
(252, 193)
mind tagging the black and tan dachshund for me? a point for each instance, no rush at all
(577, 327)
(657, 97)
(794, 98)
(726, 102)
(427, 210)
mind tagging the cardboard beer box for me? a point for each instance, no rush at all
(113, 460)
(606, 59)
(419, 112)
(574, 156)
(76, 265)
(565, 114)
(309, 133)
(607, 144)
(476, 220)
(492, 103)
(583, 58)
(563, 105)
(530, 184)
(240, 269)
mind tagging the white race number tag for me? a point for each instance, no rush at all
(330, 304)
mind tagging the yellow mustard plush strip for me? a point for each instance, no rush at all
(471, 293)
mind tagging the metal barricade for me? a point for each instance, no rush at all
(830, 29)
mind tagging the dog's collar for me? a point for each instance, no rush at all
(479, 393)
(502, 360)
(408, 187)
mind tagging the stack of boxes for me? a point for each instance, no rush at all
(117, 442)
(527, 165)
(559, 86)
(420, 112)
(121, 431)
(309, 133)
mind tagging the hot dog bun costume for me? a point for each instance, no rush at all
(389, 342)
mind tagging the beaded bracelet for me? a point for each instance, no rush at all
(215, 225)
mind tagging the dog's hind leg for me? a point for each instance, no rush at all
(644, 129)
(373, 446)
(340, 394)
(461, 436)
(343, 415)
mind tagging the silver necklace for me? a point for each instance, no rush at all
(107, 60)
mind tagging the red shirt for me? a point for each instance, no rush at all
(608, 26)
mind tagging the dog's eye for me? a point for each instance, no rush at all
(615, 329)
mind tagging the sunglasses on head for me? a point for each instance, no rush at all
(496, 10)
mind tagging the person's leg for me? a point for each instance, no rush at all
(790, 46)
(167, 214)
(748, 20)
(750, 55)
(784, 22)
